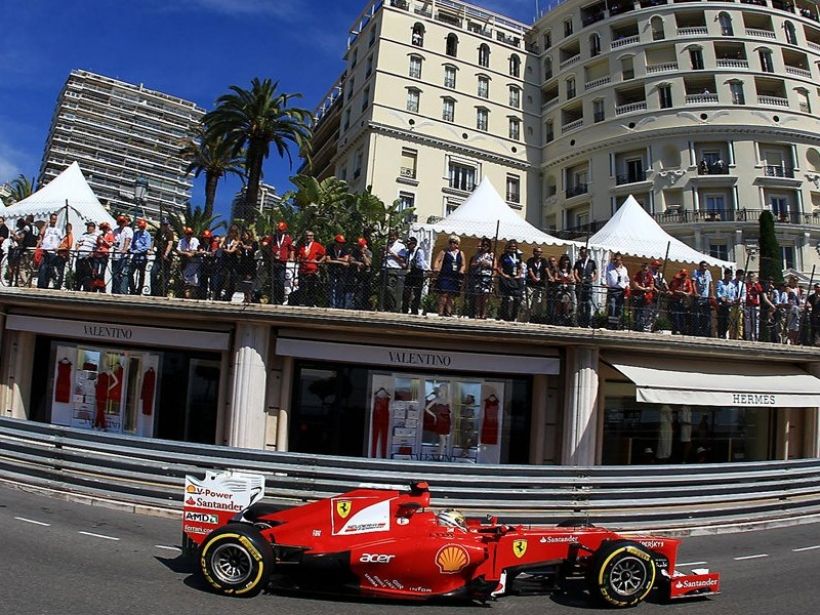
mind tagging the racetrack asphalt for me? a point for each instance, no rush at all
(65, 558)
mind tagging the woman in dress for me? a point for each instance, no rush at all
(449, 268)
(481, 278)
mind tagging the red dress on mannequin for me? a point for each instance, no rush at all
(149, 381)
(381, 424)
(62, 389)
(489, 426)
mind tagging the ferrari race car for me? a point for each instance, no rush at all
(386, 543)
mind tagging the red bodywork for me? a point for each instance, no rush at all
(387, 543)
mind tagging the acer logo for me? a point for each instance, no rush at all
(375, 558)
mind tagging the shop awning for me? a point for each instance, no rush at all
(718, 383)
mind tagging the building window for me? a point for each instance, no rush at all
(736, 88)
(665, 95)
(417, 37)
(359, 162)
(570, 88)
(791, 35)
(351, 85)
(719, 250)
(766, 64)
(372, 38)
(354, 59)
(548, 128)
(657, 29)
(547, 39)
(483, 86)
(598, 110)
(482, 119)
(726, 28)
(547, 69)
(515, 65)
(413, 96)
(408, 163)
(415, 67)
(568, 27)
(369, 70)
(594, 44)
(448, 112)
(515, 128)
(803, 100)
(627, 69)
(515, 97)
(696, 58)
(450, 77)
(787, 254)
(407, 200)
(346, 124)
(513, 189)
(451, 48)
(365, 98)
(484, 55)
(462, 177)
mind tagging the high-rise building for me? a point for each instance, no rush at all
(118, 132)
(268, 199)
(704, 111)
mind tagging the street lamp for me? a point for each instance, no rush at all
(140, 192)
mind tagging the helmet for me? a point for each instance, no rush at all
(452, 518)
(340, 238)
(282, 226)
(206, 234)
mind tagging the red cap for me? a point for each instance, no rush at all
(121, 219)
(282, 226)
(656, 262)
(188, 230)
(141, 223)
(340, 238)
(104, 224)
(362, 242)
(206, 234)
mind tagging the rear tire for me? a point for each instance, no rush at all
(622, 574)
(236, 560)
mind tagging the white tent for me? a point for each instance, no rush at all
(485, 212)
(633, 231)
(69, 186)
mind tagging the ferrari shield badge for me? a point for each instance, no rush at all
(519, 548)
(343, 508)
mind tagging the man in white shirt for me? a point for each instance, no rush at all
(85, 246)
(617, 281)
(50, 240)
(393, 270)
(123, 235)
(414, 280)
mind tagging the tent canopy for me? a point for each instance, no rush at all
(484, 213)
(633, 231)
(70, 185)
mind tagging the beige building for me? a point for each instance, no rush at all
(702, 110)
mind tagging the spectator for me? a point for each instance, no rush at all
(123, 235)
(751, 308)
(449, 267)
(246, 265)
(537, 285)
(643, 296)
(482, 266)
(337, 260)
(50, 239)
(309, 255)
(552, 286)
(661, 287)
(681, 291)
(704, 295)
(163, 248)
(211, 275)
(586, 271)
(736, 317)
(86, 245)
(361, 259)
(105, 239)
(4, 236)
(769, 308)
(63, 255)
(393, 270)
(510, 281)
(281, 254)
(190, 260)
(565, 292)
(617, 281)
(227, 264)
(417, 268)
(726, 299)
(25, 238)
(813, 303)
(794, 303)
(138, 254)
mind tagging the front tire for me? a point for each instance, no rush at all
(236, 560)
(622, 574)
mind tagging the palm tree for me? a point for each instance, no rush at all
(196, 218)
(253, 120)
(213, 155)
(322, 205)
(21, 187)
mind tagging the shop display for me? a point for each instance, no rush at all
(62, 388)
(381, 422)
(149, 381)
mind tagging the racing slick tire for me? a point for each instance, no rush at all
(236, 560)
(622, 574)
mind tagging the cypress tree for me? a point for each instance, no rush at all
(771, 262)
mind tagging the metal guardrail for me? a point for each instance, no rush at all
(150, 473)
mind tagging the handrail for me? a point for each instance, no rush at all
(150, 473)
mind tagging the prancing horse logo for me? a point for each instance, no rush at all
(519, 548)
(343, 508)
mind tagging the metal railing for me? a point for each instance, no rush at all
(150, 473)
(687, 216)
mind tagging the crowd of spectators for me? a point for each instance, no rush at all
(510, 285)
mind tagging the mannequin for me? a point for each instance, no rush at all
(437, 417)
(62, 388)
(489, 425)
(381, 423)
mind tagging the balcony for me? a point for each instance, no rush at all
(750, 216)
(630, 108)
(799, 72)
(623, 42)
(776, 170)
(713, 168)
(400, 4)
(597, 82)
(580, 232)
(693, 31)
(630, 178)
(775, 101)
(701, 99)
(661, 68)
(761, 33)
(588, 20)
(577, 190)
(572, 126)
(407, 172)
(732, 63)
(570, 61)
(508, 38)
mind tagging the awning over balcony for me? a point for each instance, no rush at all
(717, 383)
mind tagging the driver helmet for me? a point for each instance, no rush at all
(452, 518)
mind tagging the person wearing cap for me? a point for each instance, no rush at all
(680, 294)
(751, 307)
(309, 255)
(704, 295)
(63, 255)
(85, 246)
(209, 276)
(163, 248)
(726, 297)
(417, 268)
(394, 266)
(585, 271)
(617, 281)
(282, 251)
(361, 259)
(105, 239)
(138, 257)
(643, 296)
(189, 253)
(123, 235)
(337, 260)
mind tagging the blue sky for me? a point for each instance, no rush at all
(193, 49)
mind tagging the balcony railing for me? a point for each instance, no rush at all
(776, 170)
(570, 61)
(623, 42)
(597, 82)
(661, 68)
(693, 31)
(577, 190)
(580, 232)
(572, 126)
(630, 108)
(732, 63)
(700, 99)
(800, 72)
(588, 20)
(713, 168)
(751, 216)
(814, 46)
(630, 178)
(513, 197)
(400, 4)
(760, 33)
(407, 172)
(776, 101)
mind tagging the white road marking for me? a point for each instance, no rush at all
(98, 535)
(811, 548)
(758, 556)
(24, 520)
(167, 548)
(691, 564)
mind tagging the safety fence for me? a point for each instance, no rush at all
(781, 314)
(150, 473)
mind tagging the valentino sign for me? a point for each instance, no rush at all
(427, 359)
(108, 332)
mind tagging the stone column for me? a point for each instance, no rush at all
(811, 426)
(580, 441)
(246, 426)
(283, 418)
(15, 389)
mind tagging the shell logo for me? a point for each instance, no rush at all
(191, 489)
(452, 559)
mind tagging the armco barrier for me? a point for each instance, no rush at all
(150, 473)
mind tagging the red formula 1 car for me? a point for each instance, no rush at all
(385, 543)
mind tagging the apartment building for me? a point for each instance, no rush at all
(117, 132)
(705, 111)
(268, 199)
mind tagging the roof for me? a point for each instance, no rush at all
(485, 214)
(633, 231)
